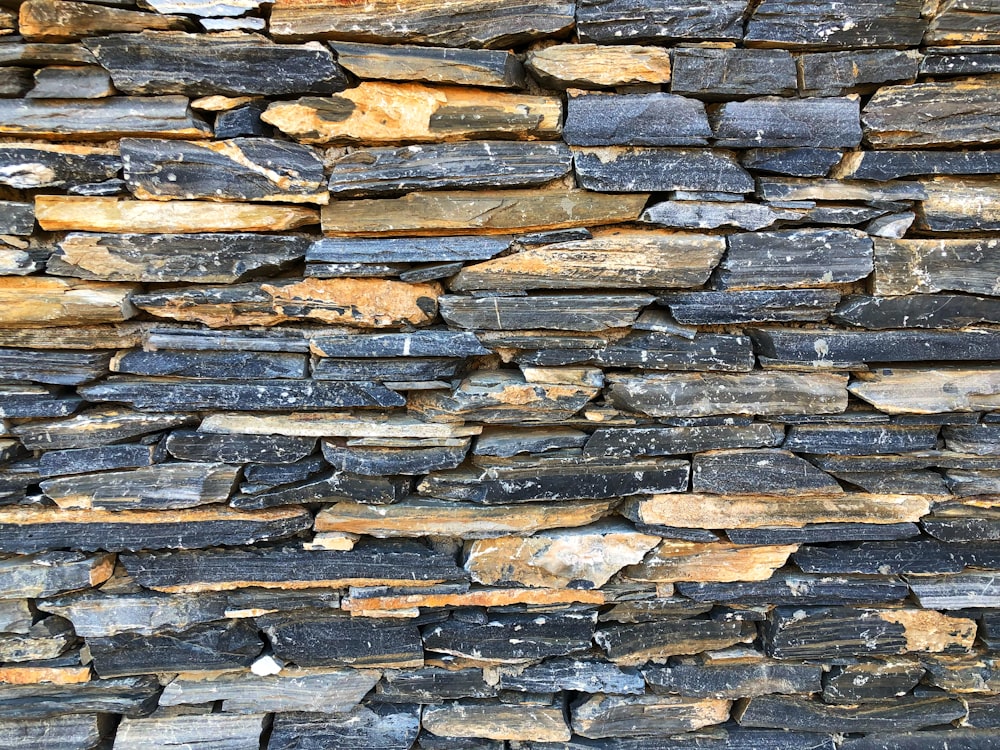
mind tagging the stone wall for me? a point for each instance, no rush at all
(618, 375)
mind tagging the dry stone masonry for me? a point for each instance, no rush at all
(479, 375)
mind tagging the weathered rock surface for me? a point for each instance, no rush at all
(494, 68)
(99, 119)
(591, 66)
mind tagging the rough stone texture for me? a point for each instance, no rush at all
(475, 375)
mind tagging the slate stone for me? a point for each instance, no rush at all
(53, 367)
(561, 312)
(373, 461)
(795, 258)
(917, 311)
(28, 530)
(616, 21)
(635, 120)
(909, 712)
(94, 427)
(479, 164)
(157, 63)
(372, 727)
(408, 250)
(895, 117)
(831, 25)
(774, 122)
(778, 306)
(16, 218)
(891, 165)
(801, 588)
(80, 82)
(66, 732)
(818, 346)
(767, 471)
(634, 644)
(458, 23)
(425, 343)
(733, 678)
(206, 365)
(955, 739)
(911, 557)
(248, 395)
(226, 730)
(860, 440)
(959, 591)
(625, 442)
(514, 638)
(287, 567)
(823, 532)
(467, 67)
(796, 162)
(188, 445)
(837, 73)
(242, 169)
(582, 675)
(624, 169)
(711, 215)
(870, 681)
(131, 696)
(242, 121)
(17, 82)
(432, 685)
(959, 61)
(230, 644)
(315, 640)
(732, 73)
(925, 265)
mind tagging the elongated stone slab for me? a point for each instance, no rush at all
(908, 712)
(66, 213)
(426, 343)
(969, 589)
(165, 486)
(333, 486)
(828, 25)
(627, 442)
(592, 66)
(631, 169)
(365, 303)
(432, 684)
(799, 588)
(37, 302)
(922, 556)
(229, 644)
(199, 257)
(97, 426)
(733, 73)
(154, 394)
(505, 397)
(325, 424)
(960, 204)
(27, 530)
(372, 727)
(66, 732)
(226, 730)
(58, 21)
(703, 511)
(379, 461)
(131, 696)
(796, 162)
(375, 112)
(740, 471)
(859, 439)
(624, 260)
(734, 674)
(876, 680)
(385, 564)
(645, 716)
(563, 312)
(512, 638)
(917, 310)
(51, 573)
(54, 366)
(778, 306)
(587, 557)
(408, 605)
(241, 169)
(779, 189)
(689, 214)
(963, 110)
(232, 365)
(148, 63)
(583, 675)
(634, 644)
(477, 164)
(493, 68)
(707, 394)
(318, 640)
(488, 212)
(923, 391)
(406, 250)
(776, 122)
(414, 517)
(635, 120)
(927, 265)
(188, 445)
(455, 23)
(795, 258)
(676, 560)
(100, 119)
(836, 73)
(891, 165)
(829, 345)
(614, 21)
(333, 691)
(504, 721)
